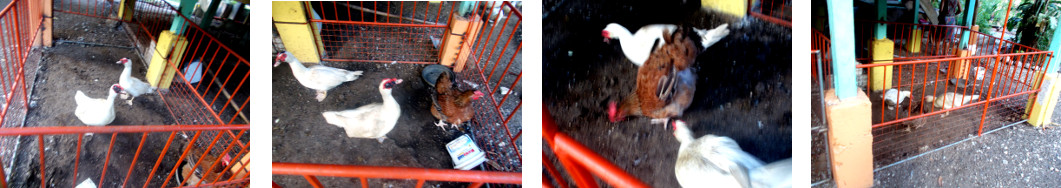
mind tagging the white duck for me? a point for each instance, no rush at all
(950, 100)
(133, 87)
(369, 121)
(717, 161)
(894, 96)
(320, 78)
(96, 112)
(638, 46)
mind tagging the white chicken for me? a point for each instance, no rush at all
(894, 96)
(950, 100)
(638, 46)
(96, 112)
(369, 121)
(320, 78)
(717, 161)
(132, 86)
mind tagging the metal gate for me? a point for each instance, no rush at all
(210, 115)
(776, 11)
(1002, 75)
(402, 32)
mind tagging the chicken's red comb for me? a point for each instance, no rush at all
(611, 111)
(280, 57)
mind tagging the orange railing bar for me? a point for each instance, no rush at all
(581, 161)
(356, 171)
(115, 129)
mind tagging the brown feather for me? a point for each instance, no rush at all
(662, 74)
(456, 105)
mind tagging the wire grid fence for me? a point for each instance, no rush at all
(821, 77)
(217, 103)
(402, 32)
(16, 41)
(776, 11)
(382, 32)
(579, 163)
(995, 89)
(1003, 83)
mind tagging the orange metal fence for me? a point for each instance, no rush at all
(401, 32)
(996, 78)
(578, 161)
(476, 178)
(206, 113)
(776, 11)
(380, 31)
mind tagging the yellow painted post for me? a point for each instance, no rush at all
(1041, 110)
(125, 10)
(160, 72)
(915, 41)
(737, 8)
(850, 139)
(960, 68)
(295, 30)
(883, 49)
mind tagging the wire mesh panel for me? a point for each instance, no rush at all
(107, 9)
(18, 29)
(821, 77)
(496, 66)
(403, 32)
(944, 100)
(382, 32)
(777, 11)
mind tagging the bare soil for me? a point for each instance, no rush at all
(69, 67)
(743, 91)
(298, 125)
(301, 135)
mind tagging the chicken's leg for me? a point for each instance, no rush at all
(441, 124)
(130, 101)
(380, 139)
(661, 121)
(321, 94)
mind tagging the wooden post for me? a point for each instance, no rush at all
(456, 45)
(47, 32)
(295, 30)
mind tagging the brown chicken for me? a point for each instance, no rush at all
(666, 82)
(209, 172)
(452, 106)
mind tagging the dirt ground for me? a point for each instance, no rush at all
(69, 67)
(743, 91)
(300, 133)
(415, 142)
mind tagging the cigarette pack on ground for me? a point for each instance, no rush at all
(465, 154)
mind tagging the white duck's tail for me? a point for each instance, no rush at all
(352, 75)
(710, 37)
(776, 174)
(80, 97)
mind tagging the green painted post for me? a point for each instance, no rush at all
(970, 9)
(842, 29)
(917, 8)
(208, 16)
(1055, 46)
(882, 14)
(185, 8)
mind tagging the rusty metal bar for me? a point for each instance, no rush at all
(580, 161)
(115, 129)
(395, 173)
